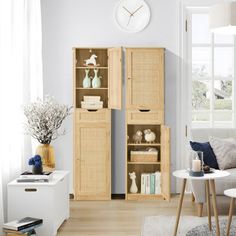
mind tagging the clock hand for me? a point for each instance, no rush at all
(137, 10)
(127, 10)
(129, 20)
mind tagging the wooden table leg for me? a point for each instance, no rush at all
(231, 209)
(213, 191)
(208, 203)
(180, 206)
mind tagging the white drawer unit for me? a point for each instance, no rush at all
(49, 201)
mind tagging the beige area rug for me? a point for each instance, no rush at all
(164, 226)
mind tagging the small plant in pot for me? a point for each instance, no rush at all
(43, 121)
(36, 162)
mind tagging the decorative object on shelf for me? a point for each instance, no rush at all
(44, 118)
(133, 187)
(143, 156)
(87, 79)
(196, 163)
(92, 102)
(132, 16)
(36, 162)
(91, 61)
(96, 82)
(138, 136)
(151, 149)
(149, 136)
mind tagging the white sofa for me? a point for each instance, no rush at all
(198, 188)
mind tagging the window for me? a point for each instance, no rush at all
(211, 71)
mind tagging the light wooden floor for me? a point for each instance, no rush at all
(123, 218)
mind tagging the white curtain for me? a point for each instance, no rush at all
(20, 83)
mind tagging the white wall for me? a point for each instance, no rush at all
(74, 23)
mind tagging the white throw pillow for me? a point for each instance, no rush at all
(225, 151)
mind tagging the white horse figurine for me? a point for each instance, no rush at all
(133, 188)
(91, 60)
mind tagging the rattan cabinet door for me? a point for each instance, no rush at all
(93, 162)
(145, 78)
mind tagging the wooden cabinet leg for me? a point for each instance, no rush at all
(213, 191)
(180, 206)
(231, 209)
(208, 203)
(199, 209)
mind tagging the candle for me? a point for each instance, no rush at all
(196, 165)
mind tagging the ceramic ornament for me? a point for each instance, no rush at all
(149, 136)
(91, 61)
(138, 136)
(133, 187)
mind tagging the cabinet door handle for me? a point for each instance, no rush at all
(144, 110)
(30, 189)
(90, 110)
(129, 78)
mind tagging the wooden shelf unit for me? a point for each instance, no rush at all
(145, 110)
(92, 128)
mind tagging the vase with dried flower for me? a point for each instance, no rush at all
(44, 118)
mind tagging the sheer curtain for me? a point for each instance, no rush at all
(20, 83)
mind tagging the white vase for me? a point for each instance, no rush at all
(87, 80)
(133, 187)
(96, 82)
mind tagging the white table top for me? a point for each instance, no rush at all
(184, 174)
(58, 175)
(230, 192)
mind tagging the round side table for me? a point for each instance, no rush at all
(232, 194)
(209, 180)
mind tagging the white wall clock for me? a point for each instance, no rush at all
(132, 15)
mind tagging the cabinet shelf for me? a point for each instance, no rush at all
(91, 67)
(139, 196)
(144, 163)
(90, 88)
(144, 144)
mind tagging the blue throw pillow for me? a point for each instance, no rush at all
(209, 157)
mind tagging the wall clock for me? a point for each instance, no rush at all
(132, 15)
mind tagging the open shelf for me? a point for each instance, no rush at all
(90, 88)
(144, 144)
(83, 54)
(139, 196)
(143, 163)
(92, 67)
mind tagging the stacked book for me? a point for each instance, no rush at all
(30, 177)
(151, 183)
(92, 102)
(23, 226)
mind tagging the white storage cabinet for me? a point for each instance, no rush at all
(49, 201)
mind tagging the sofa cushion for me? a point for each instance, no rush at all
(209, 157)
(225, 152)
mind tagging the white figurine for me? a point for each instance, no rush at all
(91, 60)
(138, 136)
(149, 136)
(133, 187)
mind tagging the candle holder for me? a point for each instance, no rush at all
(196, 164)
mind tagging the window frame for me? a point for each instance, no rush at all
(211, 45)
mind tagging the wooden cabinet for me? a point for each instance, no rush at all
(145, 111)
(92, 127)
(145, 78)
(93, 162)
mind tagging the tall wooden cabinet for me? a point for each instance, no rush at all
(92, 127)
(145, 110)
